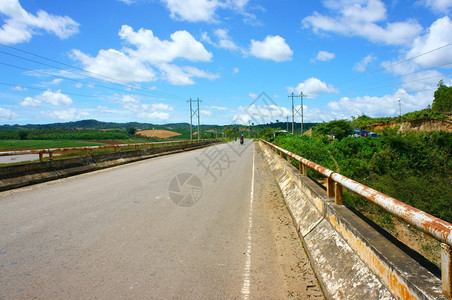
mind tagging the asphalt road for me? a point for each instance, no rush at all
(205, 224)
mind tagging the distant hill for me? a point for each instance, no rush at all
(92, 124)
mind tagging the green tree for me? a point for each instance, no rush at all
(131, 130)
(23, 134)
(443, 98)
(338, 128)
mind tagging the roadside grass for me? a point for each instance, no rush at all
(14, 145)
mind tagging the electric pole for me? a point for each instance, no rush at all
(287, 121)
(194, 113)
(296, 111)
(293, 125)
(400, 112)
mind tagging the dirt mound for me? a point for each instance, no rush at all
(163, 134)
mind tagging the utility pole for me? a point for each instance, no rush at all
(193, 113)
(400, 112)
(293, 124)
(199, 127)
(287, 121)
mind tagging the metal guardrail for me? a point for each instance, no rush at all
(431, 225)
(116, 147)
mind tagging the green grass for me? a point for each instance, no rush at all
(12, 145)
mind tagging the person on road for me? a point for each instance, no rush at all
(241, 139)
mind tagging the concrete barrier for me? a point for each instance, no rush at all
(351, 258)
(16, 176)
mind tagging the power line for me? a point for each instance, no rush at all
(395, 64)
(96, 76)
(66, 78)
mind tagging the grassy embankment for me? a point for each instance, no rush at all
(412, 167)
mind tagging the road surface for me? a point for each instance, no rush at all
(204, 224)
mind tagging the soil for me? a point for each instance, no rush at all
(300, 280)
(163, 134)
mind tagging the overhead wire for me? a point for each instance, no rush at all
(95, 76)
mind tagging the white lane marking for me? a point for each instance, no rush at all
(246, 274)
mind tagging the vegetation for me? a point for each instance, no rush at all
(413, 167)
(443, 98)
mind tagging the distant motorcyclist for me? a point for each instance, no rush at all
(241, 139)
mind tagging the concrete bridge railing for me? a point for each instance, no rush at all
(410, 281)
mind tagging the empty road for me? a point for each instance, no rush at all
(204, 224)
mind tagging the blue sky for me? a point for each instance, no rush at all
(142, 60)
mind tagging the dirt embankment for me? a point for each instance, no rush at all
(163, 134)
(428, 125)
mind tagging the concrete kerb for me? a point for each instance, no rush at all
(350, 258)
(27, 174)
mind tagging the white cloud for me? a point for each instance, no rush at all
(67, 115)
(352, 18)
(30, 102)
(128, 2)
(439, 6)
(204, 10)
(137, 64)
(325, 56)
(19, 25)
(153, 50)
(192, 10)
(235, 71)
(260, 114)
(272, 48)
(183, 75)
(386, 105)
(6, 114)
(438, 35)
(218, 108)
(206, 113)
(55, 81)
(311, 87)
(159, 111)
(362, 65)
(224, 40)
(54, 98)
(19, 88)
(116, 65)
(161, 106)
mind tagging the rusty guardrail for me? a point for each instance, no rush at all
(431, 225)
(116, 147)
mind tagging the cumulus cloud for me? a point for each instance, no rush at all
(324, 56)
(272, 48)
(260, 114)
(20, 25)
(192, 10)
(6, 114)
(54, 98)
(438, 35)
(204, 10)
(30, 102)
(362, 65)
(386, 105)
(366, 20)
(312, 87)
(66, 115)
(439, 6)
(148, 58)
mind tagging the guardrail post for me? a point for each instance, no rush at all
(446, 269)
(338, 194)
(50, 155)
(330, 187)
(281, 154)
(41, 156)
